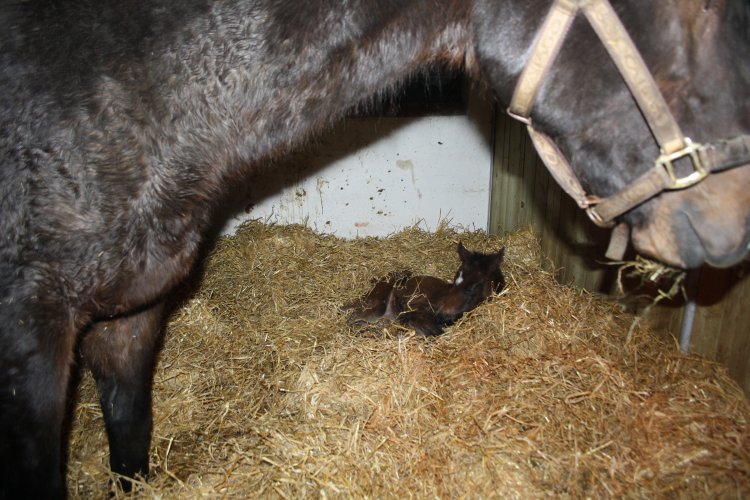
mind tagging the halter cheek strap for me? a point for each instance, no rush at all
(672, 143)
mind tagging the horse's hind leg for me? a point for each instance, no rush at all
(121, 355)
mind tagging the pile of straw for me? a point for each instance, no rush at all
(262, 390)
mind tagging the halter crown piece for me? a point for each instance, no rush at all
(673, 145)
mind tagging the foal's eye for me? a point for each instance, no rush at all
(459, 278)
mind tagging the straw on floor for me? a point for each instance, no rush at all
(262, 390)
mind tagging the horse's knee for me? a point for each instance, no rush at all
(125, 346)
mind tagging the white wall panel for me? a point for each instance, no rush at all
(373, 176)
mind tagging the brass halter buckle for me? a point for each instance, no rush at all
(666, 161)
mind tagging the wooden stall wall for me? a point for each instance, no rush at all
(523, 193)
(721, 330)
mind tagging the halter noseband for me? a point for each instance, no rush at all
(705, 158)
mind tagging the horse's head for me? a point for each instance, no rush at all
(697, 52)
(480, 268)
(702, 67)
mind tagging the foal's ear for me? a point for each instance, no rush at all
(462, 252)
(500, 254)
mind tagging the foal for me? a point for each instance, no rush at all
(426, 303)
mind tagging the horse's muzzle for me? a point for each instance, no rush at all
(707, 224)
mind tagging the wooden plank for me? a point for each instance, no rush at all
(551, 243)
(515, 176)
(709, 314)
(499, 175)
(726, 320)
(542, 180)
(665, 320)
(734, 344)
(529, 160)
(507, 180)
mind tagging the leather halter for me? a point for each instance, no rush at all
(673, 144)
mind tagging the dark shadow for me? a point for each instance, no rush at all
(715, 284)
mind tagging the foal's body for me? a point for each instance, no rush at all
(426, 303)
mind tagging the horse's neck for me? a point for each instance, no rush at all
(582, 102)
(248, 84)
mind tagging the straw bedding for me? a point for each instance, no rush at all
(262, 390)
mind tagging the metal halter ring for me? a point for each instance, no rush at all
(666, 161)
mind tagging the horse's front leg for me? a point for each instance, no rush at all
(121, 354)
(36, 352)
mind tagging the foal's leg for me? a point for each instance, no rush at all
(423, 322)
(371, 307)
(121, 354)
(462, 298)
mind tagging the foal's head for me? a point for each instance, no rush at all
(480, 268)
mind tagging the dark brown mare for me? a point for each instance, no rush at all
(426, 303)
(124, 123)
